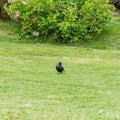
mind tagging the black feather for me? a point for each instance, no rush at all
(59, 67)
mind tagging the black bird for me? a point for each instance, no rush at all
(59, 67)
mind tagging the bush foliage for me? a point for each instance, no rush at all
(66, 20)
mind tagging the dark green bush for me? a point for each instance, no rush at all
(67, 20)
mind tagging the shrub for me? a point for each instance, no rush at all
(67, 20)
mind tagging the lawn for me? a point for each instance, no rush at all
(31, 88)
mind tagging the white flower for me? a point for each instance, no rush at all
(23, 2)
(13, 1)
(36, 33)
(17, 16)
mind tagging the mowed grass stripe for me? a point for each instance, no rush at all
(31, 88)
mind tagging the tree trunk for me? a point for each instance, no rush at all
(116, 3)
(2, 12)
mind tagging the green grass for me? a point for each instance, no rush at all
(31, 89)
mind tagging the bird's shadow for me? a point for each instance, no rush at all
(59, 73)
